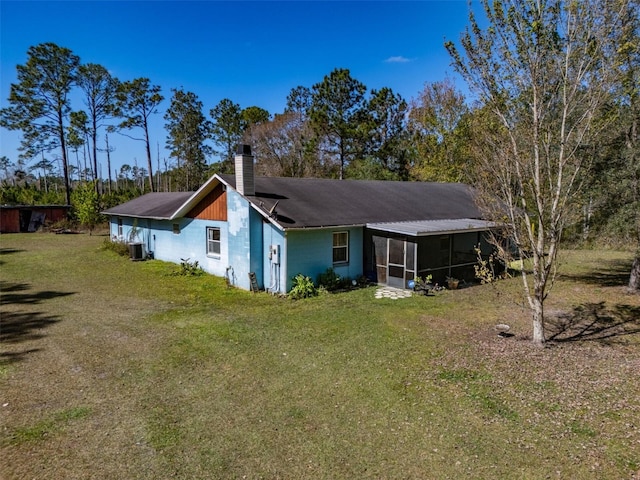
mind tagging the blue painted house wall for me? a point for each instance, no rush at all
(191, 243)
(244, 247)
(238, 239)
(310, 252)
(273, 269)
(247, 241)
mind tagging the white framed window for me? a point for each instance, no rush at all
(340, 247)
(119, 228)
(213, 241)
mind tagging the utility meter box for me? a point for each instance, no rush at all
(274, 254)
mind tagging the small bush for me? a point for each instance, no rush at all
(330, 280)
(485, 270)
(303, 287)
(120, 248)
(188, 269)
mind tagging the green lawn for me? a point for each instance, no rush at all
(117, 369)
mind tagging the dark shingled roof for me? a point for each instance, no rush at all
(312, 202)
(151, 205)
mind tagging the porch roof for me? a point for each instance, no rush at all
(433, 227)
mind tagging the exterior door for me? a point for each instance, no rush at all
(395, 276)
(394, 260)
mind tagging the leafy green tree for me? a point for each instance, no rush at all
(300, 131)
(77, 135)
(369, 168)
(99, 89)
(386, 137)
(613, 201)
(629, 61)
(226, 131)
(188, 130)
(5, 165)
(86, 205)
(254, 116)
(136, 101)
(437, 129)
(39, 103)
(299, 101)
(338, 108)
(543, 71)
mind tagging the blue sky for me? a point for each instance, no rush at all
(253, 53)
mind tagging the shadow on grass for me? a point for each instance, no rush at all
(22, 326)
(16, 327)
(7, 358)
(614, 273)
(595, 322)
(7, 251)
(20, 293)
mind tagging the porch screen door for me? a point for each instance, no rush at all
(395, 277)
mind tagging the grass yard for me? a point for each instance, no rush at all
(112, 369)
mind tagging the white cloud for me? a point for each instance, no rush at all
(397, 59)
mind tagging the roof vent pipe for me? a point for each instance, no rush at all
(245, 184)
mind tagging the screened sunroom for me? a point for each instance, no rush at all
(396, 253)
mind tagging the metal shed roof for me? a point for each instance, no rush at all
(431, 227)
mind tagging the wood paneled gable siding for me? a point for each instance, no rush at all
(212, 207)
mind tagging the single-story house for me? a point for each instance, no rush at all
(276, 228)
(29, 218)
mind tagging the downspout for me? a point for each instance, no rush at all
(284, 260)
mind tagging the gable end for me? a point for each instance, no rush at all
(212, 207)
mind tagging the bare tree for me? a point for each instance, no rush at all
(281, 147)
(542, 70)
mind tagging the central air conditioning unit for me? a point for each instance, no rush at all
(136, 251)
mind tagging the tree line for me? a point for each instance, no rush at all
(336, 128)
(550, 139)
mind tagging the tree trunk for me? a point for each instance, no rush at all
(65, 164)
(94, 139)
(634, 278)
(538, 321)
(106, 138)
(149, 165)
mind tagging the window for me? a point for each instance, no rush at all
(176, 228)
(213, 241)
(119, 228)
(340, 247)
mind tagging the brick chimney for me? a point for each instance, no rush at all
(245, 184)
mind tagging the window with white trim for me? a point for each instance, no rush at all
(213, 241)
(340, 247)
(119, 228)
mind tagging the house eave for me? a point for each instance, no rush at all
(128, 215)
(323, 227)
